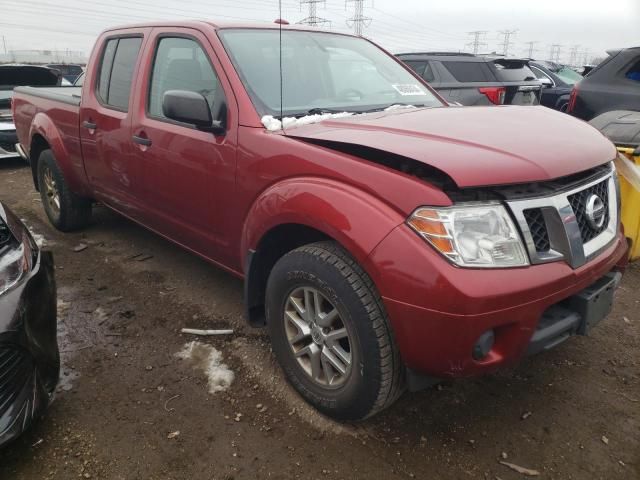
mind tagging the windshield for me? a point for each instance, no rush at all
(320, 72)
(567, 75)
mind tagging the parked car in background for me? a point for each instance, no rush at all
(613, 85)
(12, 76)
(476, 80)
(79, 81)
(557, 82)
(29, 358)
(68, 71)
(385, 239)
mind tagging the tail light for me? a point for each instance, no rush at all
(572, 99)
(494, 94)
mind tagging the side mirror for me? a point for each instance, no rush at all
(190, 107)
(546, 82)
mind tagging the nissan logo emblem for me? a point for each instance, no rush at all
(595, 212)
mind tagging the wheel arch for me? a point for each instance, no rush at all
(44, 134)
(301, 211)
(38, 144)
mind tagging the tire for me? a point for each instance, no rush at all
(374, 377)
(66, 210)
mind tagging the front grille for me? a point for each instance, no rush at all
(557, 227)
(579, 201)
(538, 229)
(8, 146)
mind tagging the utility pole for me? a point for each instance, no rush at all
(554, 54)
(506, 36)
(358, 21)
(573, 55)
(586, 54)
(312, 17)
(477, 42)
(4, 44)
(531, 48)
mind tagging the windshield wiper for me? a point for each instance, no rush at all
(399, 104)
(320, 111)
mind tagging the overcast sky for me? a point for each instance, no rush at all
(399, 25)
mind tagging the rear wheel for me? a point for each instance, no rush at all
(66, 210)
(330, 333)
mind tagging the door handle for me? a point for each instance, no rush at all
(89, 125)
(142, 141)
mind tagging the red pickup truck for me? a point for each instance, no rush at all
(386, 239)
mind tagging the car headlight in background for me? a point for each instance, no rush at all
(472, 235)
(16, 258)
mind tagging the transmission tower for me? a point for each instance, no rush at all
(358, 21)
(312, 18)
(554, 53)
(531, 48)
(506, 40)
(477, 42)
(573, 55)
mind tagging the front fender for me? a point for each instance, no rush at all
(70, 164)
(355, 219)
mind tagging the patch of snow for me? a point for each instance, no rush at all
(398, 106)
(40, 240)
(273, 124)
(206, 358)
(67, 378)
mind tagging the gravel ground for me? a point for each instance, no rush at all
(128, 408)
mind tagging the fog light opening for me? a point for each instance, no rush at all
(484, 345)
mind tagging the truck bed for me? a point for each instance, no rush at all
(70, 95)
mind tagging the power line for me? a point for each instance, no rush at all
(573, 55)
(312, 18)
(476, 43)
(554, 53)
(506, 40)
(358, 21)
(531, 48)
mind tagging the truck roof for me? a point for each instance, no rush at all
(220, 25)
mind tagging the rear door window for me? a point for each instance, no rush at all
(422, 68)
(116, 71)
(634, 72)
(513, 71)
(473, 72)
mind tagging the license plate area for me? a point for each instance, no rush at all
(594, 302)
(576, 315)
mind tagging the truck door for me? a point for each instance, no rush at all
(105, 121)
(185, 177)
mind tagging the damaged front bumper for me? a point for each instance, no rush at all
(29, 356)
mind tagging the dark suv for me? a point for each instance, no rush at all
(612, 85)
(557, 82)
(476, 80)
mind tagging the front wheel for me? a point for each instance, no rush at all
(66, 210)
(330, 333)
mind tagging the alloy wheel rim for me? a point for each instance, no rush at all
(318, 337)
(51, 191)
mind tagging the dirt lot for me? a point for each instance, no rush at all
(573, 413)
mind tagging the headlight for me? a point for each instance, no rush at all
(472, 235)
(15, 258)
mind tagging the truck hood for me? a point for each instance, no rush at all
(475, 146)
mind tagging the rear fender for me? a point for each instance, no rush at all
(43, 126)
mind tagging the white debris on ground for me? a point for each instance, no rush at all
(273, 124)
(40, 240)
(205, 357)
